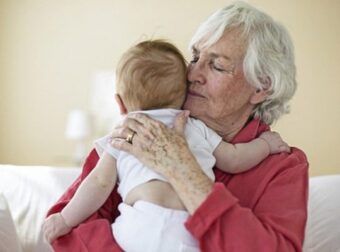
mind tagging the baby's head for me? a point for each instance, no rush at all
(151, 75)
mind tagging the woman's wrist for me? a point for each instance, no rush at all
(191, 184)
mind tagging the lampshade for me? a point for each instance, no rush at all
(78, 125)
(102, 104)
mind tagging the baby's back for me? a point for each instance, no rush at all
(155, 191)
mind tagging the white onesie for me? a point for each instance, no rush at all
(202, 142)
(146, 226)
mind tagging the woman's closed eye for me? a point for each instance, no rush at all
(217, 67)
(221, 67)
(213, 64)
(194, 59)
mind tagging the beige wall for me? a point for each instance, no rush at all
(49, 51)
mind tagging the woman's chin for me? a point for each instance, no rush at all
(194, 111)
(192, 104)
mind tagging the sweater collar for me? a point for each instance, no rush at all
(250, 131)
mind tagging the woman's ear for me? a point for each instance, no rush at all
(121, 104)
(259, 96)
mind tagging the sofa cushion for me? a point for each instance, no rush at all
(323, 224)
(9, 241)
(30, 191)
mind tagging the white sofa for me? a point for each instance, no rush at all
(26, 192)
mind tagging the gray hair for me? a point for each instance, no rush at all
(269, 59)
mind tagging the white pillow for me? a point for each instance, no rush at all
(9, 241)
(323, 224)
(30, 192)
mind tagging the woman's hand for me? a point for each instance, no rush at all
(165, 151)
(153, 143)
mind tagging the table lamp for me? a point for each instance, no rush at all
(78, 129)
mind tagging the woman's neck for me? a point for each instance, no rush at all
(228, 127)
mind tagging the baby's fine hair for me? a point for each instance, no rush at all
(152, 75)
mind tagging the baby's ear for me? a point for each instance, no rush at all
(121, 105)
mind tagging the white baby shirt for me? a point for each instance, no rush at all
(131, 172)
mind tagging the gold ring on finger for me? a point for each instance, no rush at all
(130, 137)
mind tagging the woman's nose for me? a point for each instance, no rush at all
(196, 73)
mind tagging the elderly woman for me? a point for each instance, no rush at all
(240, 79)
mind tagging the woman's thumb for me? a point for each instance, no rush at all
(180, 121)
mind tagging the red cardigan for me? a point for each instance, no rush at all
(264, 209)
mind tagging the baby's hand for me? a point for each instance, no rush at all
(274, 141)
(55, 226)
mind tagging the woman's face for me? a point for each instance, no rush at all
(218, 90)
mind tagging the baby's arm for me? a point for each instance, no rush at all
(235, 158)
(90, 195)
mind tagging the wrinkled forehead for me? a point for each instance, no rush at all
(232, 43)
(208, 37)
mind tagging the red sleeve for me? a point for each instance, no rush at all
(94, 234)
(275, 222)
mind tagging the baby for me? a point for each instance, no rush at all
(151, 79)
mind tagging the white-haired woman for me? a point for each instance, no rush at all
(240, 79)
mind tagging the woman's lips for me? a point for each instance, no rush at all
(193, 93)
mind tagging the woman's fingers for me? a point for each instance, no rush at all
(143, 125)
(126, 128)
(120, 132)
(141, 118)
(141, 135)
(180, 122)
(123, 145)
